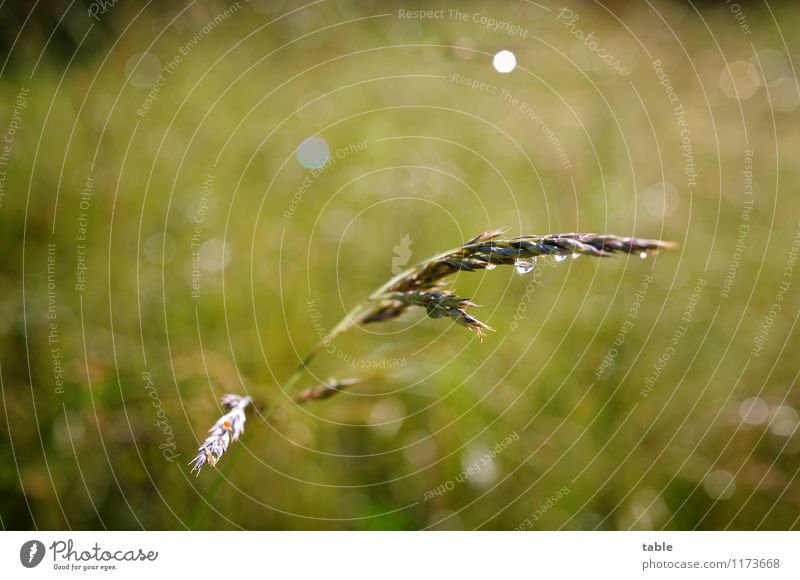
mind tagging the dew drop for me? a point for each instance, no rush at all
(575, 255)
(491, 266)
(643, 255)
(559, 258)
(524, 266)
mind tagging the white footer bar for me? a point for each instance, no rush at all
(401, 555)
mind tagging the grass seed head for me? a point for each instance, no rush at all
(227, 429)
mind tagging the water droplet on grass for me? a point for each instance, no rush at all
(559, 258)
(524, 266)
(643, 255)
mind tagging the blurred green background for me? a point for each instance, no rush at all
(615, 412)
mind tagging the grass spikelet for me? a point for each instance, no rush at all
(420, 286)
(329, 389)
(227, 429)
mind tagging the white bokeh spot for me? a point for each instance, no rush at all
(504, 61)
(313, 152)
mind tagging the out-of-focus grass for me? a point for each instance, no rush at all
(442, 162)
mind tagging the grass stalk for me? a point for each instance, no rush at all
(421, 286)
